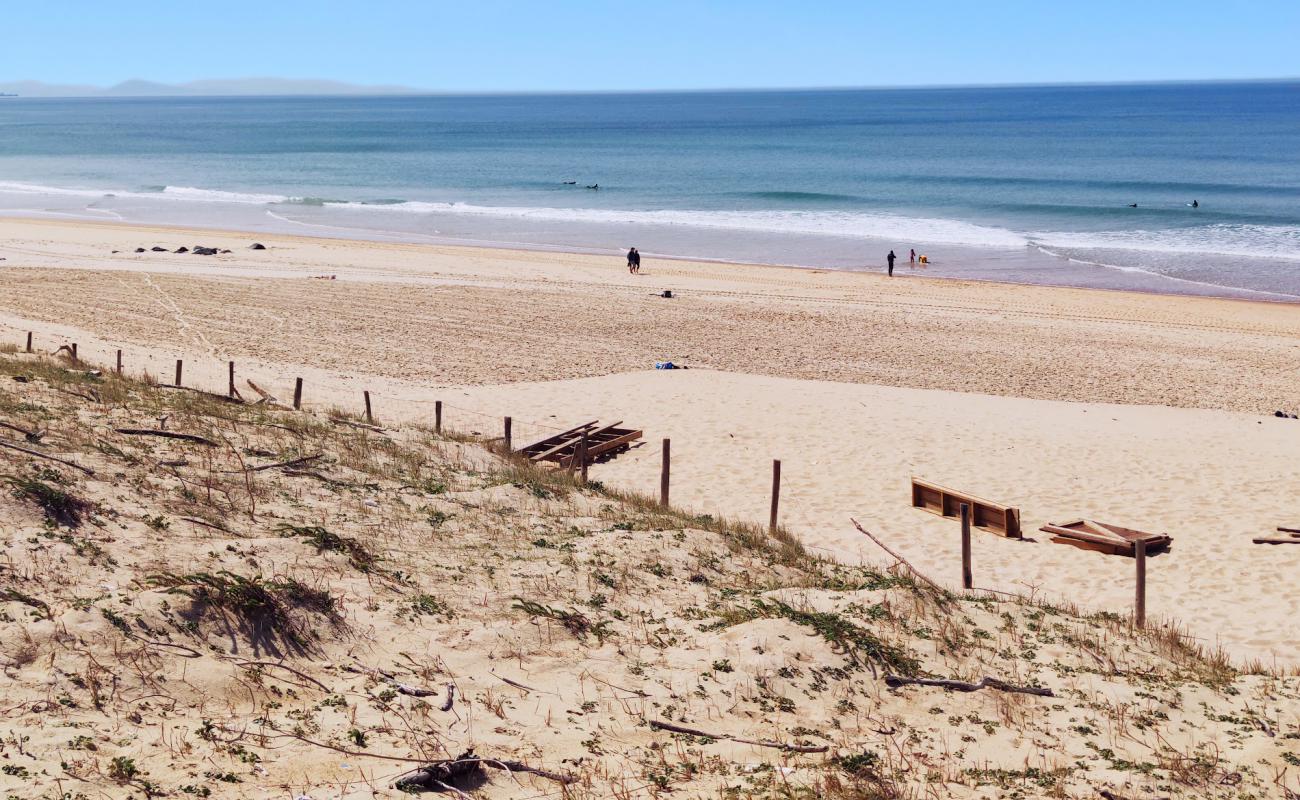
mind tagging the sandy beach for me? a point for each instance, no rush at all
(1153, 412)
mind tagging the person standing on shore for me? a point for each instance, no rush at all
(890, 258)
(633, 261)
(911, 260)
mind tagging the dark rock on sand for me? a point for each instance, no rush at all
(140, 250)
(257, 246)
(204, 251)
(159, 249)
(181, 250)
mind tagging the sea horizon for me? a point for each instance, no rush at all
(1174, 187)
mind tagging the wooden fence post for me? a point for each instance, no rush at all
(74, 353)
(1140, 602)
(967, 576)
(230, 384)
(663, 473)
(297, 394)
(776, 493)
(437, 416)
(369, 417)
(29, 341)
(179, 365)
(119, 362)
(582, 456)
(508, 438)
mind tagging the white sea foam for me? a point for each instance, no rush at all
(1238, 240)
(1250, 241)
(214, 196)
(820, 223)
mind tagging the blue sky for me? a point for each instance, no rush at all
(493, 45)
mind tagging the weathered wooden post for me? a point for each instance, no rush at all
(582, 457)
(119, 362)
(369, 417)
(663, 473)
(179, 365)
(297, 394)
(29, 341)
(74, 353)
(776, 493)
(1140, 602)
(230, 383)
(967, 576)
(507, 437)
(437, 416)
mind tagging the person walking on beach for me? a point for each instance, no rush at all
(633, 261)
(890, 258)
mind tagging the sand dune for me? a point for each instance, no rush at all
(999, 390)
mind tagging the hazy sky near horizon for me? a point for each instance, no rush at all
(495, 45)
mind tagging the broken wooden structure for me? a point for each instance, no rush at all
(1103, 537)
(1292, 537)
(586, 444)
(993, 517)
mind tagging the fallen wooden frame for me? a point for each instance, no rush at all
(993, 517)
(602, 442)
(1102, 537)
(1292, 538)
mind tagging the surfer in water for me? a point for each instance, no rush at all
(1195, 204)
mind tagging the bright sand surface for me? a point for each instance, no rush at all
(1145, 411)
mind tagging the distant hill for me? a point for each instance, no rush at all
(202, 88)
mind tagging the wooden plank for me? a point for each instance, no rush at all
(1096, 547)
(613, 444)
(1288, 530)
(547, 441)
(1106, 538)
(550, 453)
(1276, 540)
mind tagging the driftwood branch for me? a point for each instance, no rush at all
(327, 480)
(185, 437)
(293, 462)
(46, 456)
(659, 725)
(902, 560)
(266, 396)
(406, 688)
(34, 437)
(225, 398)
(441, 774)
(599, 680)
(363, 426)
(986, 682)
(206, 524)
(250, 664)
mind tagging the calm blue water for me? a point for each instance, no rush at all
(1027, 184)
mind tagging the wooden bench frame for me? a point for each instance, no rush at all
(993, 517)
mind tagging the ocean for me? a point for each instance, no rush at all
(1024, 184)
